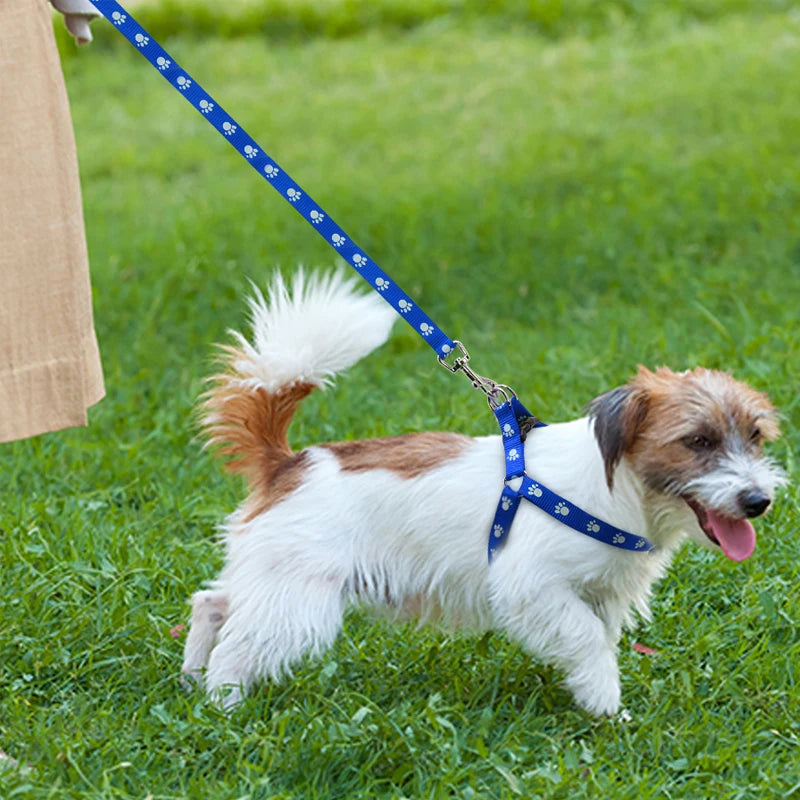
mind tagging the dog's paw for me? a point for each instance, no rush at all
(226, 697)
(191, 678)
(599, 696)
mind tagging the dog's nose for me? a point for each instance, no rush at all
(754, 503)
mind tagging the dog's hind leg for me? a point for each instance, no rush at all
(209, 612)
(265, 635)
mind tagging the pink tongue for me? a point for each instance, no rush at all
(737, 537)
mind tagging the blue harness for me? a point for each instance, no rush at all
(514, 419)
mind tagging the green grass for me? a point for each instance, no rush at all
(569, 205)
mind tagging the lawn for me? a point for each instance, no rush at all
(569, 195)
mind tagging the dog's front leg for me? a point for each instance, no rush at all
(558, 627)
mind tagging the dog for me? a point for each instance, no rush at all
(400, 524)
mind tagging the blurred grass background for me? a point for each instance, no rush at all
(572, 189)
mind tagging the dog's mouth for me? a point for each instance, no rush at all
(736, 537)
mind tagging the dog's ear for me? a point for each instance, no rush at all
(617, 416)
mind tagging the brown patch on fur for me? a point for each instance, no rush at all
(681, 406)
(287, 477)
(408, 455)
(250, 428)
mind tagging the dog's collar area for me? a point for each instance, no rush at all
(515, 423)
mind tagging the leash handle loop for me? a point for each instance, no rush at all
(275, 175)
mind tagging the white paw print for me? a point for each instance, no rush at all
(163, 63)
(498, 531)
(592, 526)
(141, 40)
(118, 18)
(250, 151)
(639, 544)
(425, 329)
(381, 285)
(405, 306)
(446, 349)
(508, 430)
(561, 508)
(228, 128)
(316, 216)
(534, 490)
(618, 538)
(513, 454)
(293, 195)
(505, 503)
(205, 106)
(338, 240)
(359, 260)
(183, 82)
(271, 171)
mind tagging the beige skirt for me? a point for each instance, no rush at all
(49, 362)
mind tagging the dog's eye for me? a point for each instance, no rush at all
(755, 436)
(698, 442)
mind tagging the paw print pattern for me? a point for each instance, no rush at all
(163, 63)
(205, 106)
(316, 216)
(338, 240)
(293, 195)
(228, 128)
(250, 151)
(618, 538)
(592, 526)
(118, 19)
(446, 349)
(183, 82)
(534, 490)
(141, 40)
(639, 544)
(271, 171)
(508, 431)
(381, 284)
(561, 508)
(425, 329)
(513, 454)
(359, 260)
(505, 503)
(405, 306)
(498, 531)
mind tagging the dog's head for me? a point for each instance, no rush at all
(695, 437)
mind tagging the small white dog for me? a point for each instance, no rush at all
(402, 523)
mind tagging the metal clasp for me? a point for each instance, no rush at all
(496, 393)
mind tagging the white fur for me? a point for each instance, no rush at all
(399, 543)
(318, 329)
(721, 488)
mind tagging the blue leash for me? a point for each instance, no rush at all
(275, 175)
(514, 419)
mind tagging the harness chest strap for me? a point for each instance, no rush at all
(513, 419)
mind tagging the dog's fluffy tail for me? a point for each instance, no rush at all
(302, 336)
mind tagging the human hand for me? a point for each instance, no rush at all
(77, 16)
